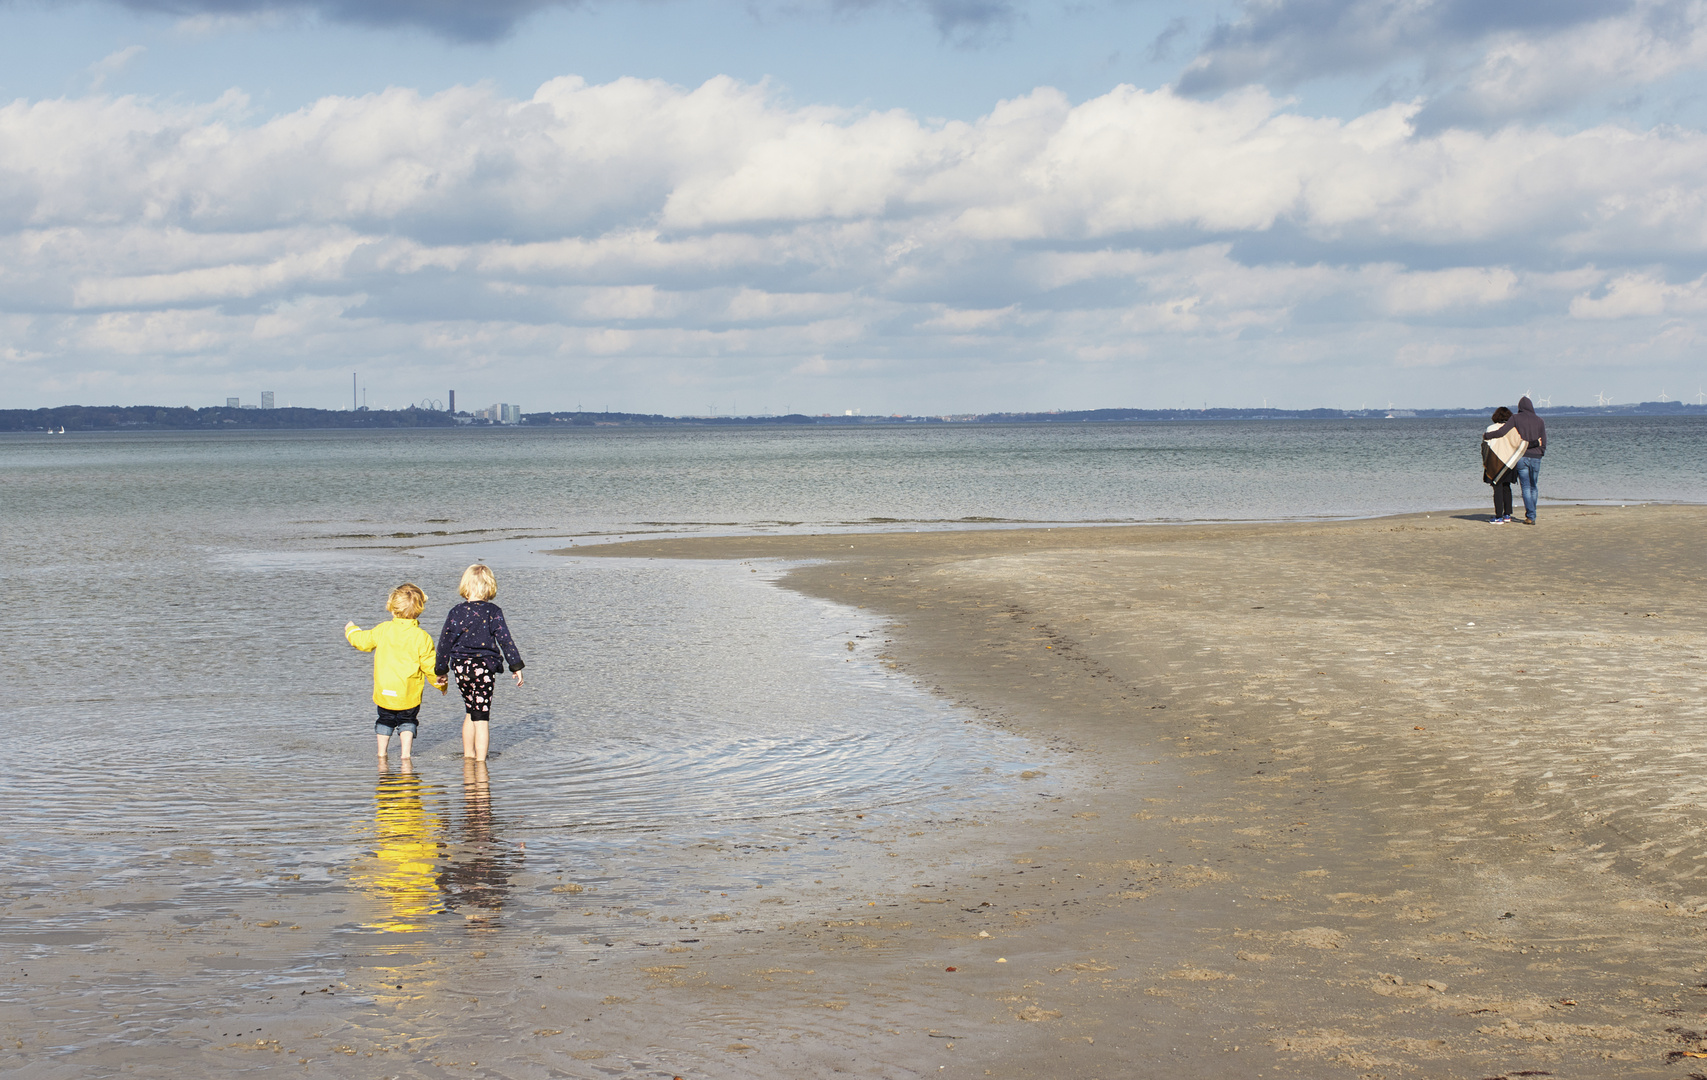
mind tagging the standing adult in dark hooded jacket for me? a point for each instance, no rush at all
(1528, 470)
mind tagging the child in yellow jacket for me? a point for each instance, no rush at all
(403, 658)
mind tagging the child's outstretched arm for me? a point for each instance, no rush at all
(507, 644)
(361, 639)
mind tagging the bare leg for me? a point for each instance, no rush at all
(482, 739)
(405, 739)
(467, 736)
(384, 741)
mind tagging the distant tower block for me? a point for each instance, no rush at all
(267, 399)
(453, 402)
(232, 403)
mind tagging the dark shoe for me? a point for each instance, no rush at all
(1529, 521)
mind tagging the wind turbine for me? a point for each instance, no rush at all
(1664, 397)
(1601, 398)
(1545, 403)
(1700, 396)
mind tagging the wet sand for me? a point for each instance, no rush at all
(1414, 797)
(1407, 797)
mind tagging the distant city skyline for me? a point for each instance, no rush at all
(508, 413)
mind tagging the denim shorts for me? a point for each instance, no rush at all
(397, 720)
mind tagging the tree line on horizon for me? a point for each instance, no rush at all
(225, 418)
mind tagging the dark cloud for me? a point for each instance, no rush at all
(960, 22)
(1286, 42)
(969, 22)
(964, 23)
(459, 20)
(1163, 47)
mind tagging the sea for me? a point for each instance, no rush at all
(190, 737)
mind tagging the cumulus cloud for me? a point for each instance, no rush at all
(584, 164)
(1284, 42)
(1637, 294)
(1477, 62)
(717, 233)
(1517, 75)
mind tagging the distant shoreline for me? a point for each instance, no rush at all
(70, 418)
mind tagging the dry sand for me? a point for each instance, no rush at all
(1415, 797)
(1407, 797)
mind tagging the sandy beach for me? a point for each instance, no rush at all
(1407, 797)
(1403, 797)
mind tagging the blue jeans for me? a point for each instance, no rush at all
(1528, 472)
(397, 720)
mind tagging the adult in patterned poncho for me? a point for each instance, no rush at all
(1534, 431)
(1497, 466)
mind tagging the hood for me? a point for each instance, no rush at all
(1525, 405)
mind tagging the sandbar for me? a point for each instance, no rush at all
(1416, 796)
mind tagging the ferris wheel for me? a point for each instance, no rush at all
(431, 405)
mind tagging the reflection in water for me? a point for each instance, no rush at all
(476, 877)
(400, 874)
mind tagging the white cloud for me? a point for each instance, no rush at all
(1479, 62)
(1639, 294)
(959, 320)
(1432, 354)
(1431, 292)
(214, 24)
(1527, 75)
(287, 272)
(111, 64)
(581, 165)
(716, 233)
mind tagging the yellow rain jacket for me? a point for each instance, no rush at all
(403, 658)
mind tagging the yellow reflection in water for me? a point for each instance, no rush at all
(403, 872)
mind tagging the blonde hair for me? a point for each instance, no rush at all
(478, 583)
(407, 601)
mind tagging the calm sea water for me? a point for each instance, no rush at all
(181, 594)
(189, 727)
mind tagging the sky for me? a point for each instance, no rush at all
(921, 207)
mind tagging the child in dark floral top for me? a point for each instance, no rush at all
(476, 645)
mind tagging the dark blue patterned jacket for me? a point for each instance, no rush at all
(476, 628)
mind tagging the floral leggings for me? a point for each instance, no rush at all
(475, 680)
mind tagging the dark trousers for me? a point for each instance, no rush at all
(1502, 500)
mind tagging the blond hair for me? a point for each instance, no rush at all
(407, 601)
(478, 583)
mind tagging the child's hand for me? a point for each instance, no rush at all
(350, 626)
(518, 676)
(443, 685)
